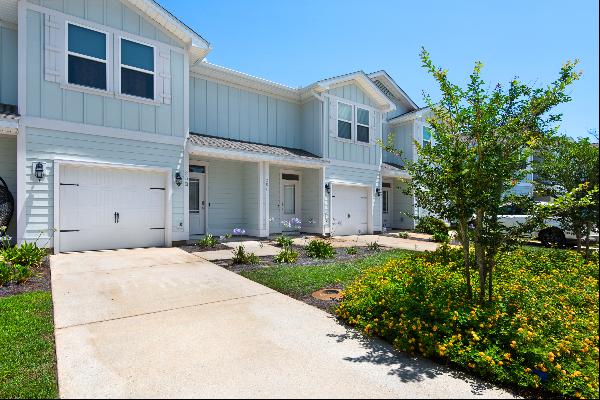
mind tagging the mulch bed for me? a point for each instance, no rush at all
(303, 259)
(194, 248)
(40, 281)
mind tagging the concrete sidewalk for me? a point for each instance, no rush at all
(183, 327)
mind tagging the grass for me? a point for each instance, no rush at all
(298, 281)
(27, 355)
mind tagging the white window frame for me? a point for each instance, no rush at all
(121, 65)
(368, 126)
(352, 118)
(106, 62)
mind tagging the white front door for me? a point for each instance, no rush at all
(110, 208)
(386, 205)
(290, 199)
(197, 200)
(349, 210)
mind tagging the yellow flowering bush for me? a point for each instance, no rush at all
(541, 330)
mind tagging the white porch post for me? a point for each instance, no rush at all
(263, 199)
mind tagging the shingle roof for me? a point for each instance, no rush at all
(395, 166)
(238, 145)
(8, 111)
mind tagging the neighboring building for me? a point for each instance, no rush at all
(114, 132)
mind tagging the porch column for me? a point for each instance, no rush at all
(263, 199)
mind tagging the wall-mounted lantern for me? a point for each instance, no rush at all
(328, 188)
(39, 171)
(378, 192)
(178, 179)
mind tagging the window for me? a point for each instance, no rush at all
(344, 121)
(385, 201)
(362, 125)
(86, 57)
(426, 137)
(198, 169)
(290, 177)
(194, 196)
(137, 69)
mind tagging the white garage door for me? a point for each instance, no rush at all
(110, 208)
(349, 210)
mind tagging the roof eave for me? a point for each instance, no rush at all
(395, 86)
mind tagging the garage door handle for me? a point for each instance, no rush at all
(116, 217)
(348, 215)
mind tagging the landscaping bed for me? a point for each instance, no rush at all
(195, 248)
(40, 281)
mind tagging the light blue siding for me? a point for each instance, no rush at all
(251, 185)
(349, 151)
(403, 140)
(402, 206)
(47, 145)
(50, 100)
(357, 176)
(8, 172)
(8, 66)
(312, 127)
(222, 110)
(353, 93)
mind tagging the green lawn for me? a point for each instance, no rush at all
(27, 357)
(302, 280)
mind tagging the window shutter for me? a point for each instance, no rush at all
(374, 126)
(333, 111)
(164, 75)
(54, 48)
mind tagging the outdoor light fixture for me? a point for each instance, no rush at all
(378, 192)
(178, 179)
(327, 188)
(39, 171)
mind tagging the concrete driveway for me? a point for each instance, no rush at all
(164, 323)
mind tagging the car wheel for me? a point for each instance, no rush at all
(552, 237)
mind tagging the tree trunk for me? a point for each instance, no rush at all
(578, 236)
(491, 263)
(480, 255)
(464, 232)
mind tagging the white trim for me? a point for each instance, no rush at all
(368, 126)
(21, 211)
(363, 81)
(351, 121)
(206, 165)
(186, 193)
(351, 164)
(120, 39)
(246, 156)
(51, 124)
(297, 194)
(22, 57)
(263, 199)
(107, 61)
(395, 86)
(58, 162)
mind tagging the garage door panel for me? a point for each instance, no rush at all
(90, 208)
(349, 209)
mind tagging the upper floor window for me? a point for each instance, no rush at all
(426, 137)
(86, 54)
(344, 121)
(362, 125)
(137, 69)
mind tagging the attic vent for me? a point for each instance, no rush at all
(385, 90)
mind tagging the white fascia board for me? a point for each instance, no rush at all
(252, 157)
(394, 173)
(413, 115)
(394, 86)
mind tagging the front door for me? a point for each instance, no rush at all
(290, 200)
(197, 200)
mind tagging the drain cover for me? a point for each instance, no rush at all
(327, 294)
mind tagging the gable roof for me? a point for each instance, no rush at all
(197, 45)
(363, 81)
(391, 88)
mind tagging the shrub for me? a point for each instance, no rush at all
(287, 255)
(284, 241)
(351, 250)
(320, 249)
(403, 235)
(431, 226)
(17, 263)
(540, 331)
(208, 241)
(441, 237)
(373, 246)
(240, 256)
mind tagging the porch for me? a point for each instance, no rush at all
(258, 190)
(397, 208)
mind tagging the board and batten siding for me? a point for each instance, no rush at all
(366, 177)
(218, 109)
(402, 206)
(403, 140)
(344, 150)
(8, 172)
(8, 65)
(312, 126)
(55, 101)
(47, 145)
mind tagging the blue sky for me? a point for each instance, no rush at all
(298, 42)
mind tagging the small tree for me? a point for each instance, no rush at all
(567, 170)
(482, 140)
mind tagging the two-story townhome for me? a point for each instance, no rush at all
(115, 133)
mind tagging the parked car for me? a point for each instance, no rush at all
(551, 234)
